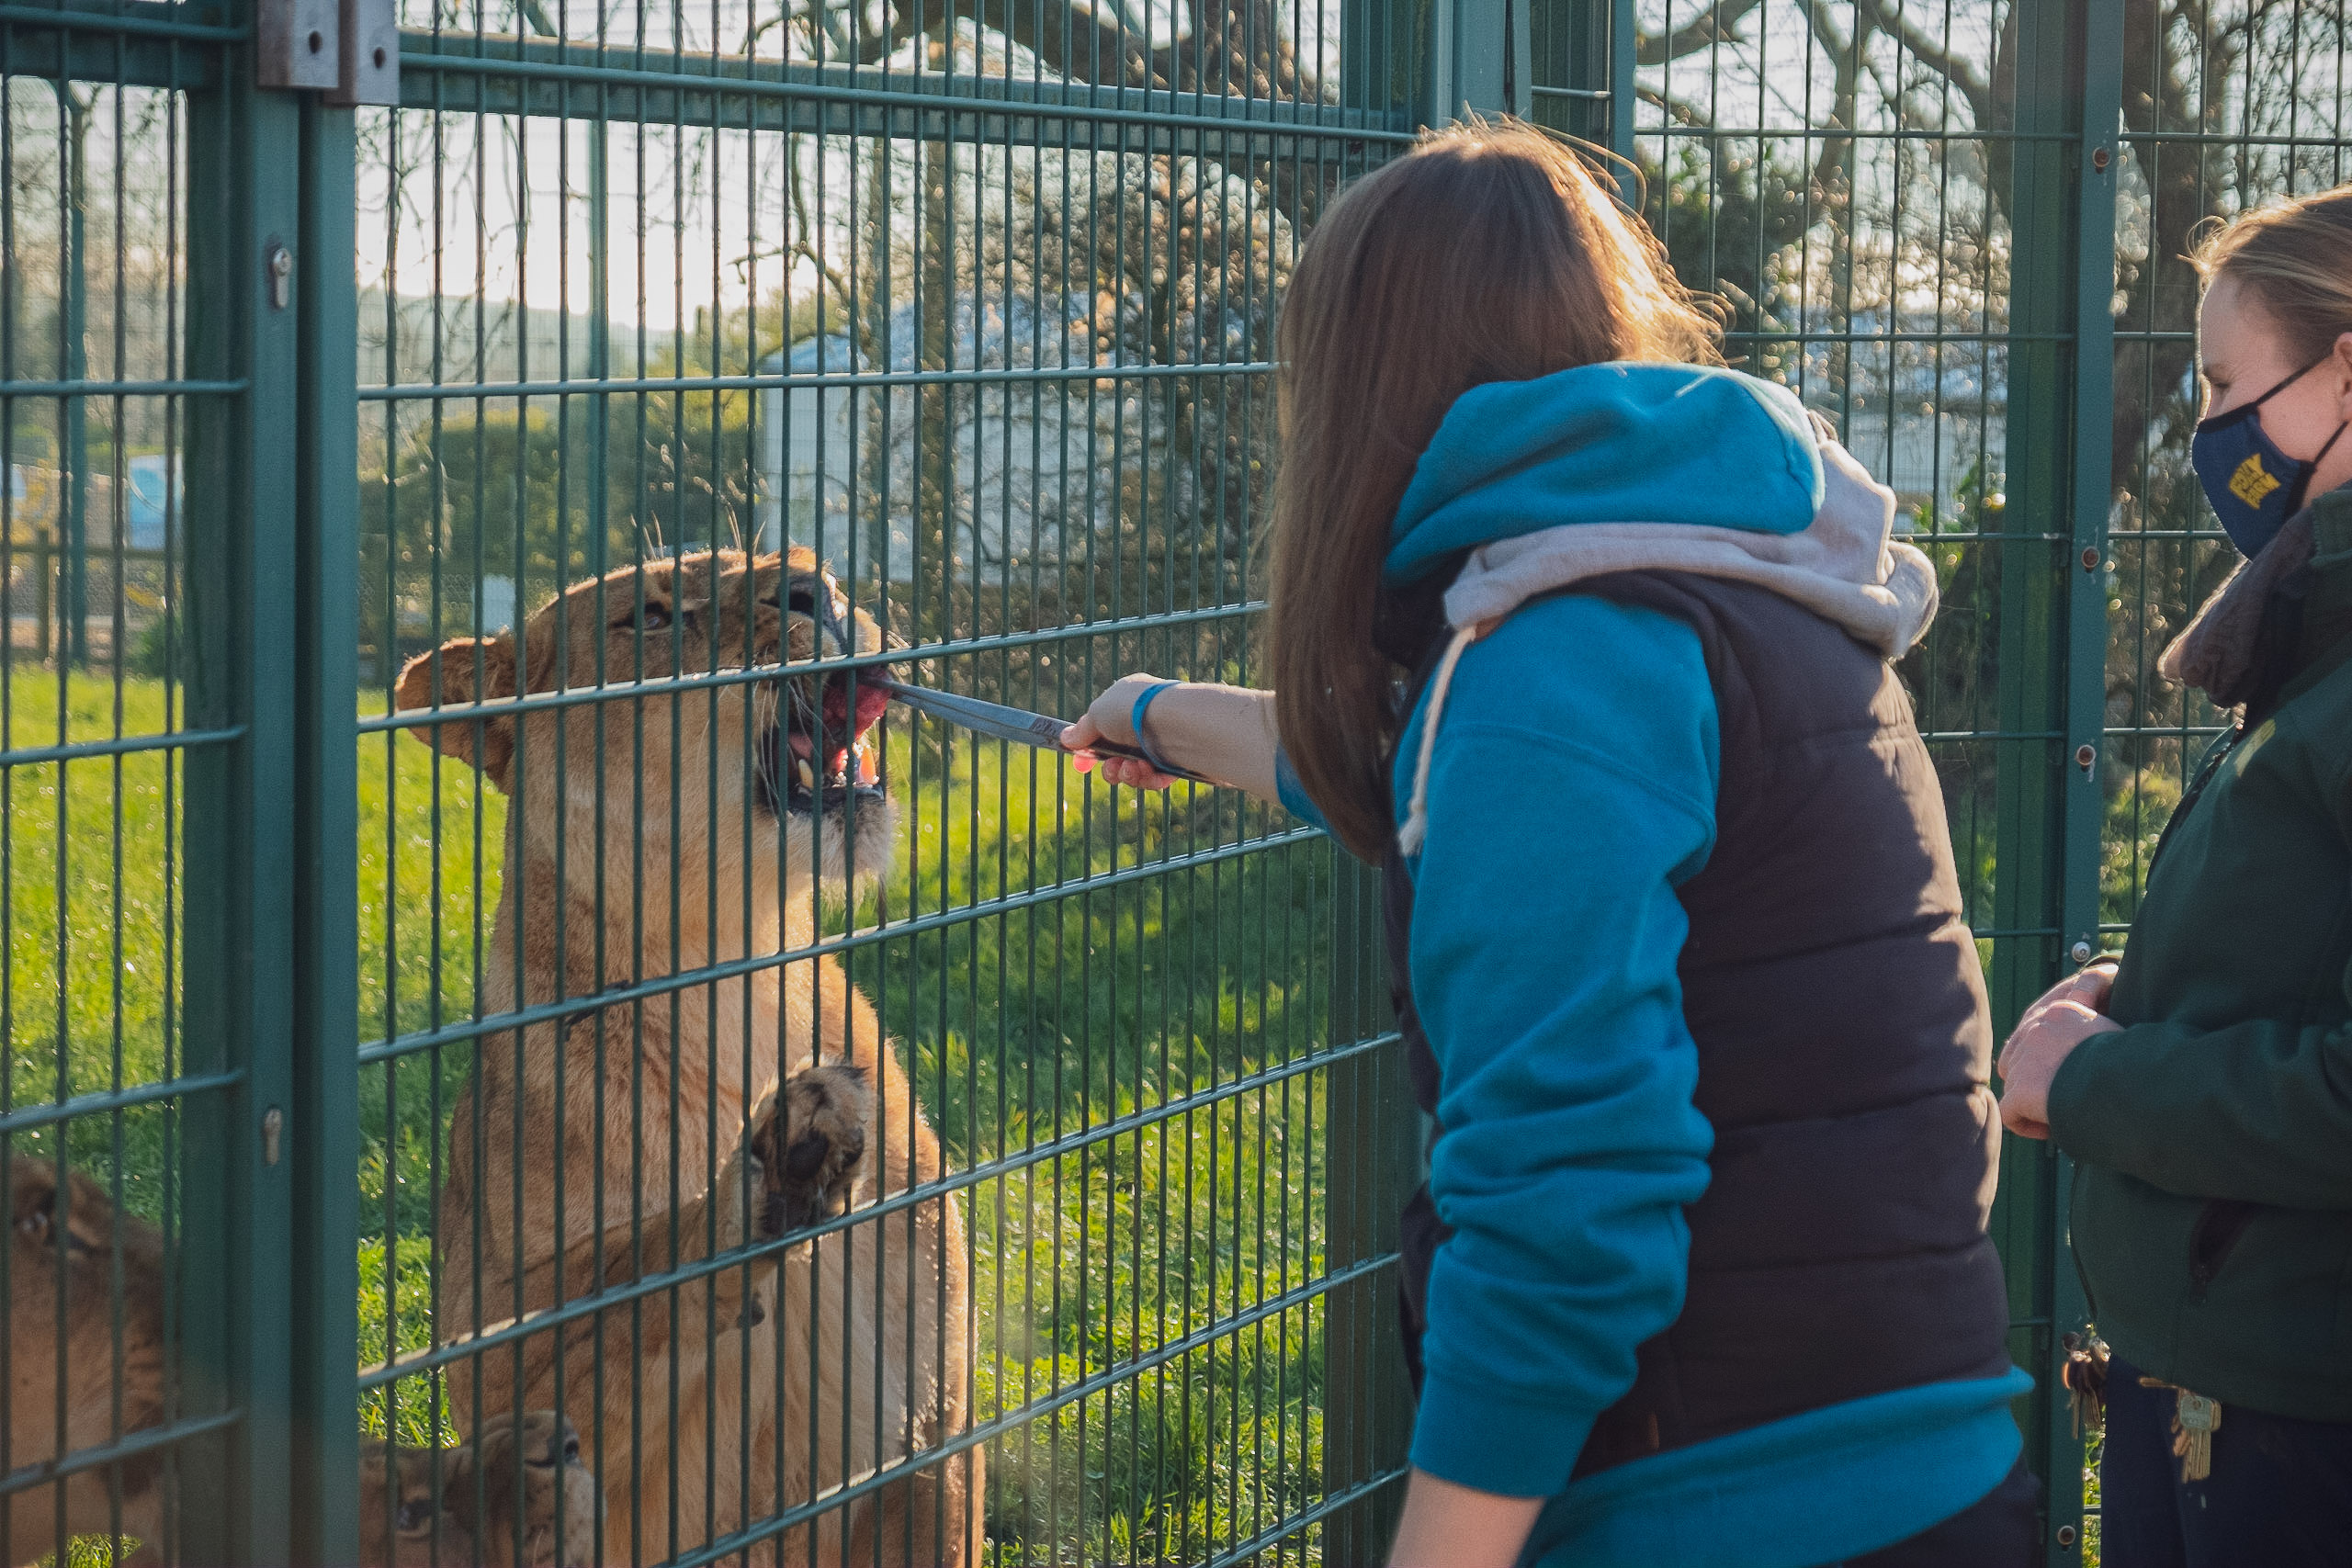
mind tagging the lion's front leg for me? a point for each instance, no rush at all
(700, 1354)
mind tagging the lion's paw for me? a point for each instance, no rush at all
(809, 1142)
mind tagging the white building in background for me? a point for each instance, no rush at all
(1925, 457)
(815, 445)
(493, 607)
(1924, 420)
(1037, 463)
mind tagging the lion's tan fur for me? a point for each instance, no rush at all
(61, 1274)
(454, 1507)
(92, 1238)
(661, 863)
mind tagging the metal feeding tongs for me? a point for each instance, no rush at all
(1017, 725)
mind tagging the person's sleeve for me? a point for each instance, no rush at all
(1562, 810)
(1293, 794)
(2259, 1110)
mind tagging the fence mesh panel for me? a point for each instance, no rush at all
(97, 739)
(972, 312)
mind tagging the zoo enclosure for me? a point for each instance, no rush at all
(975, 300)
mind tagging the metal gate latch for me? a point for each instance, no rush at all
(281, 277)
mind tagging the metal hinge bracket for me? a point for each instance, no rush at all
(348, 51)
(371, 55)
(297, 44)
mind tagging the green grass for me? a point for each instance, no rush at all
(88, 919)
(1017, 1027)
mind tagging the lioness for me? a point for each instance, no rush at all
(652, 835)
(456, 1508)
(404, 1531)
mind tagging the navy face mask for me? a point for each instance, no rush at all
(2253, 486)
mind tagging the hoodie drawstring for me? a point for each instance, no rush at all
(1417, 816)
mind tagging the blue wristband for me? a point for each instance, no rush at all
(1143, 744)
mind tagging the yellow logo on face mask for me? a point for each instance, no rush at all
(2251, 483)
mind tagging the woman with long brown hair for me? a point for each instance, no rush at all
(1589, 641)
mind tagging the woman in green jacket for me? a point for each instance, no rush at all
(2203, 1085)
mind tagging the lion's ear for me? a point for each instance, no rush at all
(458, 674)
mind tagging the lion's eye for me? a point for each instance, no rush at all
(570, 1449)
(36, 1226)
(414, 1515)
(653, 619)
(802, 602)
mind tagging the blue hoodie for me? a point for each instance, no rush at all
(1574, 793)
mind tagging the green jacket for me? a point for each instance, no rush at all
(2212, 1195)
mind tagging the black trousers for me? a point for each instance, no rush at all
(2280, 1495)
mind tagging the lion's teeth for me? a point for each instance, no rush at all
(804, 773)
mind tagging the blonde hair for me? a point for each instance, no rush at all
(2295, 257)
(1490, 252)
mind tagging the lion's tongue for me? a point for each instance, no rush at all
(836, 708)
(871, 701)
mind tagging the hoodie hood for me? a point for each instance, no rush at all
(1615, 443)
(1648, 467)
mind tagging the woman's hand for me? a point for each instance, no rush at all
(1108, 717)
(1226, 733)
(2089, 986)
(2043, 1038)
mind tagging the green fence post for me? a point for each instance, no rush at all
(1622, 43)
(2053, 640)
(241, 883)
(324, 1145)
(2093, 451)
(73, 453)
(44, 581)
(1471, 74)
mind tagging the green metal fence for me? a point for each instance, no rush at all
(423, 1021)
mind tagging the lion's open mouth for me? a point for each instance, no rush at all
(821, 755)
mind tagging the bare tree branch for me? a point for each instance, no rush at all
(1939, 58)
(1718, 26)
(1829, 179)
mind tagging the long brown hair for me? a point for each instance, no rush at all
(1489, 252)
